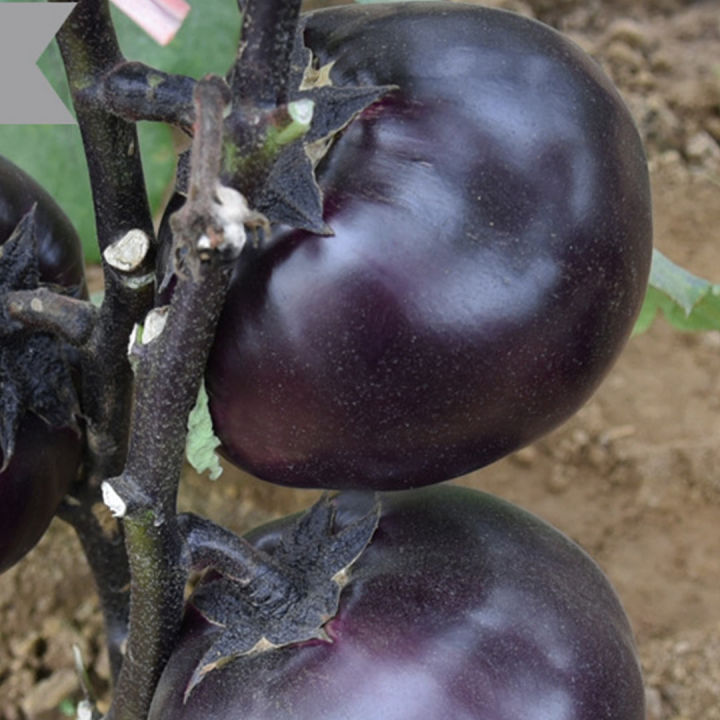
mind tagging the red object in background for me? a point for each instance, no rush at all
(161, 19)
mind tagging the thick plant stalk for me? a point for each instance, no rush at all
(261, 70)
(169, 370)
(259, 81)
(136, 91)
(89, 49)
(70, 319)
(140, 473)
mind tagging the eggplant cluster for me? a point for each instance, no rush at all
(482, 254)
(489, 248)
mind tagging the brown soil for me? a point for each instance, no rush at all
(634, 477)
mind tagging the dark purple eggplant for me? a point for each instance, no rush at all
(43, 465)
(491, 248)
(463, 607)
(38, 459)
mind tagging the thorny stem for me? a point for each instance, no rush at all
(261, 69)
(66, 317)
(168, 376)
(89, 49)
(135, 91)
(144, 467)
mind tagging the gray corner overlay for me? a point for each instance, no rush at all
(26, 29)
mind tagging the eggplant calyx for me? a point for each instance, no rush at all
(264, 600)
(34, 373)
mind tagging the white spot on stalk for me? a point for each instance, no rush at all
(135, 283)
(154, 324)
(84, 711)
(137, 330)
(233, 213)
(116, 505)
(128, 253)
(301, 111)
(204, 243)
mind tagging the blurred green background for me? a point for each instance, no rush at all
(53, 155)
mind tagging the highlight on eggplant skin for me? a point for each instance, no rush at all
(490, 252)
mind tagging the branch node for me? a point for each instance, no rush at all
(42, 309)
(125, 497)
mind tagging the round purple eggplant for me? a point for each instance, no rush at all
(38, 462)
(40, 471)
(59, 247)
(490, 252)
(462, 607)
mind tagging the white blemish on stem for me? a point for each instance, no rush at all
(84, 711)
(137, 282)
(233, 214)
(133, 337)
(154, 324)
(301, 111)
(204, 243)
(116, 505)
(128, 253)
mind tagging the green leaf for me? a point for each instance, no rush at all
(687, 301)
(67, 708)
(202, 442)
(53, 154)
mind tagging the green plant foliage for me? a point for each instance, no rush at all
(67, 708)
(201, 445)
(687, 301)
(52, 154)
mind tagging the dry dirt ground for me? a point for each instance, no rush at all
(634, 477)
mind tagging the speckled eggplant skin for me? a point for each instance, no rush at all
(44, 464)
(463, 607)
(492, 245)
(46, 460)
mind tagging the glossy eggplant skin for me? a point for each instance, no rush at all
(44, 463)
(59, 247)
(491, 248)
(463, 607)
(46, 460)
